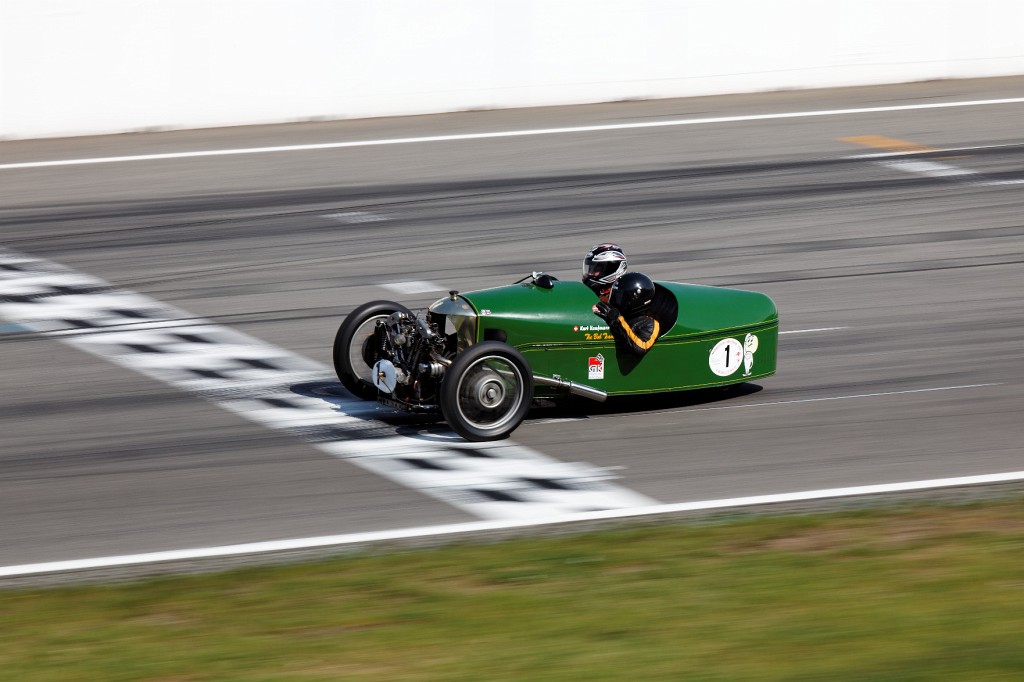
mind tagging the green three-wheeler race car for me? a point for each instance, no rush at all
(481, 357)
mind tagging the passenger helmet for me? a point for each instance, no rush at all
(603, 264)
(632, 294)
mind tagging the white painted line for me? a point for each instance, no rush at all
(355, 217)
(808, 331)
(488, 526)
(408, 288)
(260, 382)
(934, 169)
(512, 133)
(930, 168)
(1019, 181)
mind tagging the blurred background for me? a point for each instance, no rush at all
(68, 68)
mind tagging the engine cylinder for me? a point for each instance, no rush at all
(431, 369)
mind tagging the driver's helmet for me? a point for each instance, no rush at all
(632, 294)
(603, 264)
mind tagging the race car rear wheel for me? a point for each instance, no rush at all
(354, 354)
(486, 392)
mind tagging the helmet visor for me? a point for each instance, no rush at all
(603, 268)
(592, 270)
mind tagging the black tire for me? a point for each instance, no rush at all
(486, 392)
(353, 359)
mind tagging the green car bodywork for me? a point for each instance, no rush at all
(714, 336)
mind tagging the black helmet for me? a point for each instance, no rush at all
(603, 264)
(632, 294)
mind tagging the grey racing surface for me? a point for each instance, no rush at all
(900, 287)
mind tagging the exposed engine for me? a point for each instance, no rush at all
(414, 355)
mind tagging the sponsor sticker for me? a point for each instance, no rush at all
(595, 367)
(594, 332)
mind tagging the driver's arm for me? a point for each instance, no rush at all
(638, 337)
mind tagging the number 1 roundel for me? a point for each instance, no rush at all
(726, 357)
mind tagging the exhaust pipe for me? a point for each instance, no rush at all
(572, 387)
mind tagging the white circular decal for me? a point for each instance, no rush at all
(726, 357)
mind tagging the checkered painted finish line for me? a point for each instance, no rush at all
(287, 392)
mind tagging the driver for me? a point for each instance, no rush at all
(602, 265)
(628, 312)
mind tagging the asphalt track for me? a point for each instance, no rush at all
(912, 278)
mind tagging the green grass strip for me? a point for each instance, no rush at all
(919, 593)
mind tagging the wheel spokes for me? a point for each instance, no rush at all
(490, 392)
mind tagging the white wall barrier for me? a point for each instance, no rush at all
(71, 67)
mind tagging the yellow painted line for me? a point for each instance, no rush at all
(890, 144)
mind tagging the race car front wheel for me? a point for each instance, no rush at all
(486, 392)
(354, 353)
